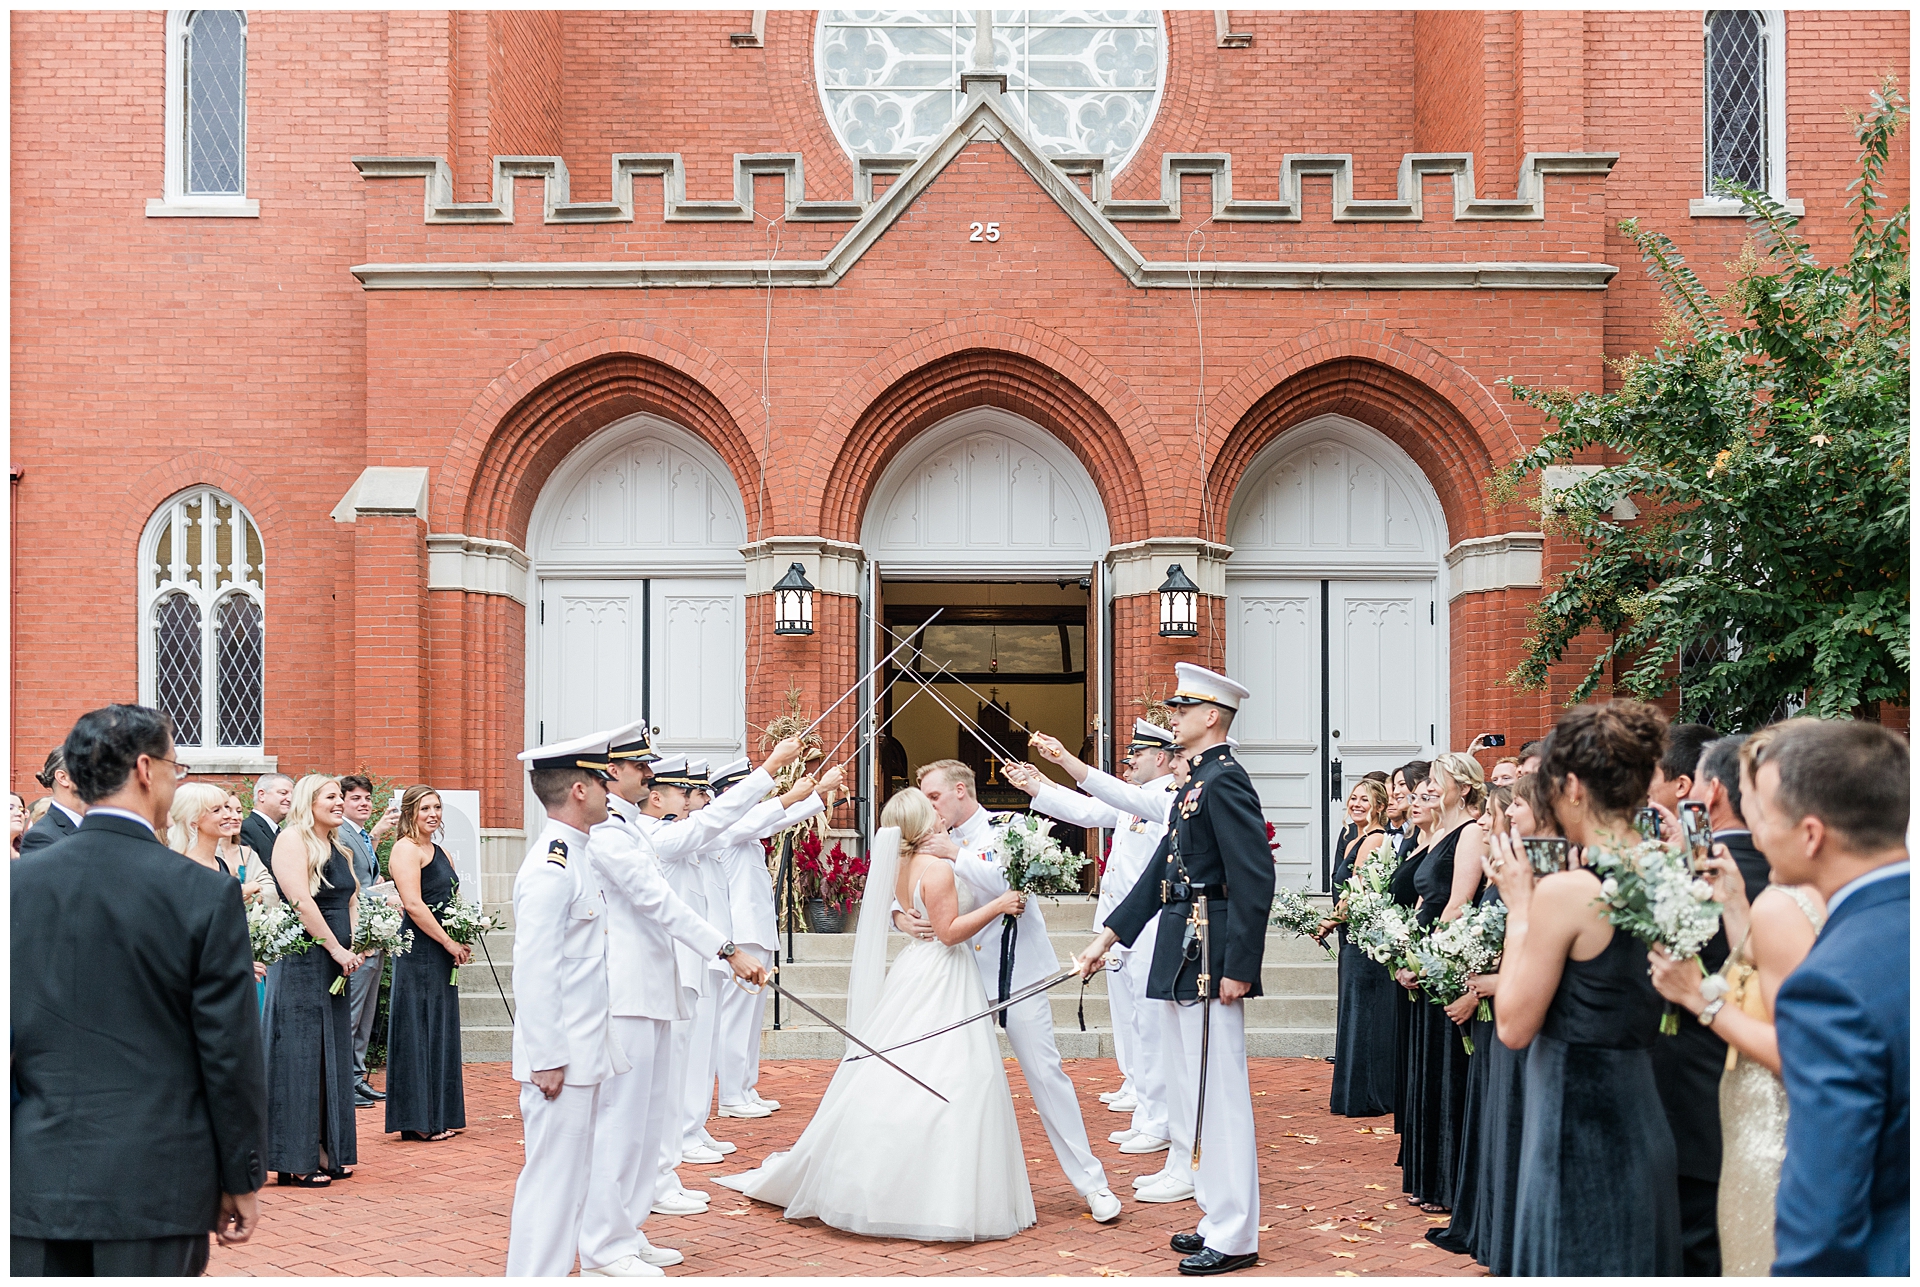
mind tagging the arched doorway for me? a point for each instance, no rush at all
(991, 520)
(1334, 600)
(638, 590)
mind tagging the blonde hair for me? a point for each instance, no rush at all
(410, 812)
(191, 802)
(300, 824)
(1376, 800)
(1463, 771)
(957, 774)
(911, 811)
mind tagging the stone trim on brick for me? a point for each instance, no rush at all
(1139, 567)
(476, 565)
(1509, 561)
(834, 567)
(385, 489)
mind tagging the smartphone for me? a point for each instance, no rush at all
(1493, 739)
(1646, 821)
(1546, 854)
(1698, 832)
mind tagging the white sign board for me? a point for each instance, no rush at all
(460, 837)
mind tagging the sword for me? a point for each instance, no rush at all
(855, 1040)
(870, 673)
(1206, 1015)
(1032, 989)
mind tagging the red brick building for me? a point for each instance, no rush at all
(425, 384)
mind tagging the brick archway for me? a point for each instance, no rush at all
(984, 362)
(1432, 409)
(558, 396)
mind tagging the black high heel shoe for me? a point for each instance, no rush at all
(317, 1180)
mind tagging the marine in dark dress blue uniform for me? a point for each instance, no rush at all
(1216, 850)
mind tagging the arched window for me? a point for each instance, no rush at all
(206, 115)
(1745, 107)
(203, 622)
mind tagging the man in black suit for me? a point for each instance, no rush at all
(1687, 1065)
(272, 801)
(63, 815)
(139, 1118)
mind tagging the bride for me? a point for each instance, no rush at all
(882, 1157)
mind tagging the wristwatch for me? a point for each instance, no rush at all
(727, 949)
(1709, 1011)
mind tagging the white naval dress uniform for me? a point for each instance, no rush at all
(681, 848)
(1136, 1034)
(560, 981)
(639, 1108)
(1030, 1023)
(756, 926)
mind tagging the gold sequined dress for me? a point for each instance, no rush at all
(1753, 1126)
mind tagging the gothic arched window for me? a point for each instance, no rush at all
(1745, 111)
(206, 115)
(203, 621)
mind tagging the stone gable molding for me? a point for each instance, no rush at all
(385, 489)
(1138, 567)
(1510, 561)
(476, 565)
(833, 566)
(985, 119)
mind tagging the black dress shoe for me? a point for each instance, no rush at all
(361, 1101)
(1187, 1244)
(1210, 1261)
(366, 1090)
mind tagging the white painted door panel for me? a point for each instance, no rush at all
(699, 644)
(591, 654)
(1381, 671)
(1273, 647)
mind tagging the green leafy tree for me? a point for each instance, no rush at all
(1764, 446)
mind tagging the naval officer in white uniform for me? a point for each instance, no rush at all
(949, 785)
(1135, 812)
(562, 1047)
(645, 918)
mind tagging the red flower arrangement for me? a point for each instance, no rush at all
(1271, 842)
(835, 877)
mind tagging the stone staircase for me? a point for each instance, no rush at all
(1295, 1017)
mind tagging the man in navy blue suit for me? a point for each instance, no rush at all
(1828, 801)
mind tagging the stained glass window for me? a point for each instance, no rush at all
(214, 78)
(1084, 82)
(203, 597)
(1737, 90)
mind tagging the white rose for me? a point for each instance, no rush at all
(1609, 887)
(1701, 890)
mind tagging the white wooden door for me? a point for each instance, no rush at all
(1273, 647)
(1328, 708)
(592, 656)
(698, 677)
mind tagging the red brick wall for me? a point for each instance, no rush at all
(242, 352)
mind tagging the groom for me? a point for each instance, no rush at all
(949, 785)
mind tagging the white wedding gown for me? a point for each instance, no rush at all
(881, 1156)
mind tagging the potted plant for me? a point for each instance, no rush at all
(828, 884)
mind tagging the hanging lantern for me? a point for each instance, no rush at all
(1179, 605)
(793, 603)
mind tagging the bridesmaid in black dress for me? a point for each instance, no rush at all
(1422, 800)
(309, 1038)
(1598, 1190)
(1363, 1034)
(426, 1099)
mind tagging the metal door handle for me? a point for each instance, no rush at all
(1333, 777)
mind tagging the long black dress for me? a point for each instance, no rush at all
(1598, 1193)
(309, 1033)
(424, 1089)
(1404, 893)
(1463, 1234)
(1500, 1129)
(1364, 1029)
(1436, 1062)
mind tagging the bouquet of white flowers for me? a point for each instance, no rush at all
(276, 931)
(1292, 911)
(1449, 953)
(382, 927)
(1036, 863)
(464, 923)
(1650, 892)
(1375, 923)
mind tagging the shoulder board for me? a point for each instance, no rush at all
(557, 853)
(1000, 819)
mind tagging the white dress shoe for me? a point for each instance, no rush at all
(1144, 1143)
(1124, 1105)
(771, 1105)
(1104, 1205)
(722, 1147)
(701, 1155)
(1122, 1136)
(659, 1257)
(1167, 1190)
(1108, 1096)
(1148, 1181)
(678, 1203)
(698, 1195)
(625, 1267)
(745, 1110)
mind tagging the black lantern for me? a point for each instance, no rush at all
(793, 603)
(1179, 605)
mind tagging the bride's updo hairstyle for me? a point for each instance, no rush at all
(912, 812)
(1612, 749)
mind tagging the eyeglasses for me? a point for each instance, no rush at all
(180, 771)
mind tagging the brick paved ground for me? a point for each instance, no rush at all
(1329, 1188)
